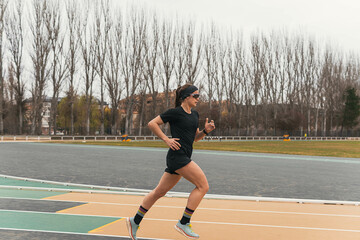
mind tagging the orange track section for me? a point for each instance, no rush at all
(224, 219)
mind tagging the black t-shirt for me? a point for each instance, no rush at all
(183, 126)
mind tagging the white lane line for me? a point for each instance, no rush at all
(72, 233)
(203, 222)
(262, 225)
(199, 208)
(275, 226)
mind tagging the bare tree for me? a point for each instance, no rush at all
(3, 6)
(103, 26)
(290, 75)
(323, 87)
(141, 103)
(211, 62)
(113, 72)
(10, 118)
(278, 83)
(167, 57)
(58, 67)
(86, 37)
(39, 55)
(230, 83)
(220, 78)
(151, 45)
(180, 53)
(193, 53)
(151, 73)
(311, 75)
(267, 76)
(296, 70)
(14, 32)
(256, 56)
(73, 23)
(240, 78)
(132, 58)
(336, 96)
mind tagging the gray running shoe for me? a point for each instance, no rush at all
(132, 227)
(186, 230)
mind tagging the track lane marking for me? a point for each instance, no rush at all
(203, 222)
(199, 208)
(106, 225)
(71, 208)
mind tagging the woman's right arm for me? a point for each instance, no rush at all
(154, 126)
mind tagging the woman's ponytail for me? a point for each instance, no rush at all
(177, 97)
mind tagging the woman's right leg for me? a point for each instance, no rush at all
(166, 183)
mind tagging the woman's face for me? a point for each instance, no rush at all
(193, 99)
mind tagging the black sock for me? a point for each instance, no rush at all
(187, 215)
(139, 215)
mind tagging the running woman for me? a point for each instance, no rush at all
(184, 131)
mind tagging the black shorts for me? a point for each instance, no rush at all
(176, 160)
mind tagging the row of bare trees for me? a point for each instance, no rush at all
(267, 83)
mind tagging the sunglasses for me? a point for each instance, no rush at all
(195, 95)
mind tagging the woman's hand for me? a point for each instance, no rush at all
(173, 143)
(209, 126)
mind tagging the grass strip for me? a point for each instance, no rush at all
(347, 149)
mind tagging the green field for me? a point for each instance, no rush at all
(350, 149)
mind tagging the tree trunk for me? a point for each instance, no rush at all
(142, 115)
(72, 115)
(275, 119)
(247, 121)
(1, 105)
(324, 123)
(102, 117)
(316, 121)
(20, 119)
(308, 121)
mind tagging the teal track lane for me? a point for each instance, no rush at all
(15, 182)
(44, 221)
(14, 193)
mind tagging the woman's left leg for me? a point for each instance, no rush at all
(193, 173)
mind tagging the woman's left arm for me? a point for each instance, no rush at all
(209, 126)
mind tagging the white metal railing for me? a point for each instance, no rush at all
(24, 138)
(95, 189)
(155, 138)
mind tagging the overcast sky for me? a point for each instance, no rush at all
(330, 21)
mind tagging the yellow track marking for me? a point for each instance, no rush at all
(67, 209)
(106, 225)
